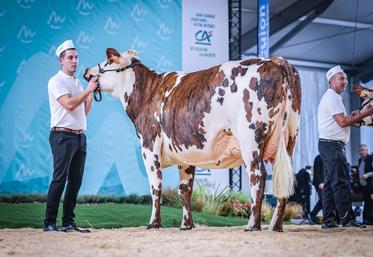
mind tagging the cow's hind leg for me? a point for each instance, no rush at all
(186, 174)
(257, 177)
(252, 157)
(278, 215)
(153, 169)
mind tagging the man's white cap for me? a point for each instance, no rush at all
(333, 71)
(64, 46)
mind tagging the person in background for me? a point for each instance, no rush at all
(318, 183)
(365, 181)
(334, 133)
(69, 106)
(303, 190)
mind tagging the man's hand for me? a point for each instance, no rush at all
(354, 113)
(93, 84)
(365, 176)
(321, 185)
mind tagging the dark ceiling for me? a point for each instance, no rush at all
(316, 32)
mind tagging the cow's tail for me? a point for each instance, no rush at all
(283, 177)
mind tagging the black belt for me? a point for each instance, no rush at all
(74, 131)
(332, 141)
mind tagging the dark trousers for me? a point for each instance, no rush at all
(69, 153)
(368, 205)
(336, 195)
(318, 205)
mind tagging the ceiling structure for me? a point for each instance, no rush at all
(318, 33)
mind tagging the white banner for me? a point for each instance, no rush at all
(204, 33)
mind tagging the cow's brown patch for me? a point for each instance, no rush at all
(259, 111)
(145, 101)
(221, 92)
(186, 106)
(225, 83)
(220, 100)
(234, 87)
(251, 62)
(270, 86)
(239, 70)
(248, 107)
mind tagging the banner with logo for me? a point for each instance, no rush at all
(30, 31)
(204, 33)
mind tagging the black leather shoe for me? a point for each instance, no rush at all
(353, 224)
(50, 228)
(74, 228)
(329, 225)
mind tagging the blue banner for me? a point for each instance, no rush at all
(263, 28)
(29, 34)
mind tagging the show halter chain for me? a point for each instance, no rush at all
(102, 71)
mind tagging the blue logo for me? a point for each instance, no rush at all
(203, 37)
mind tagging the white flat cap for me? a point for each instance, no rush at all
(333, 71)
(68, 44)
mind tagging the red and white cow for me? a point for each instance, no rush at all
(238, 112)
(366, 95)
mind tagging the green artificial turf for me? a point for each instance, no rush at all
(105, 216)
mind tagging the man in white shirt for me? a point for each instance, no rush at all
(334, 133)
(69, 105)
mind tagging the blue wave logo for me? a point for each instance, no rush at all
(111, 27)
(25, 35)
(138, 44)
(164, 62)
(164, 32)
(55, 21)
(202, 37)
(2, 13)
(138, 13)
(84, 40)
(25, 4)
(84, 8)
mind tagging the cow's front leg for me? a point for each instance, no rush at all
(278, 215)
(257, 177)
(186, 174)
(153, 169)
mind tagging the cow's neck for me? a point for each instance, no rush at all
(146, 83)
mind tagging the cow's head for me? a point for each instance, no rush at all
(366, 95)
(115, 72)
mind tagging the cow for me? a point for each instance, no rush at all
(366, 96)
(238, 112)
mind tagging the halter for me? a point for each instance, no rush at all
(360, 123)
(102, 71)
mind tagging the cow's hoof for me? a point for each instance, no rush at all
(189, 227)
(251, 229)
(279, 229)
(153, 226)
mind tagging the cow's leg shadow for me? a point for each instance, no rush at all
(278, 215)
(186, 175)
(153, 169)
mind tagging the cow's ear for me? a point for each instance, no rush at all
(360, 90)
(111, 52)
(132, 52)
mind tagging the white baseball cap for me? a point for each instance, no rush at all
(68, 44)
(332, 71)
